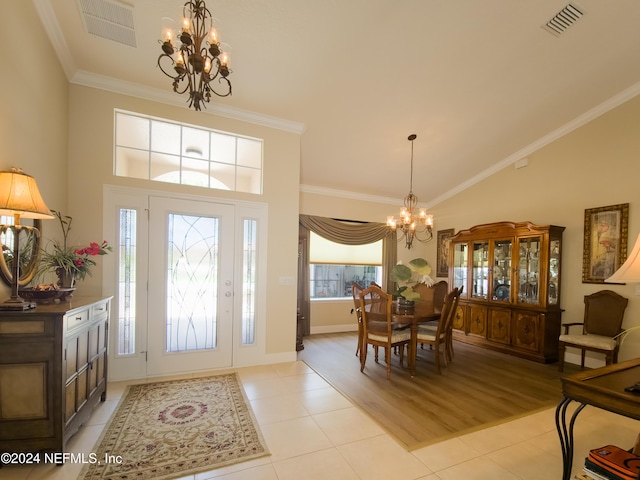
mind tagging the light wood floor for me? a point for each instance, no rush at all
(479, 387)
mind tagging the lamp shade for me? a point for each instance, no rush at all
(19, 194)
(629, 272)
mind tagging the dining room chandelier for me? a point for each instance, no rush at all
(412, 224)
(199, 61)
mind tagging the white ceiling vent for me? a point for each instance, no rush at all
(565, 18)
(109, 19)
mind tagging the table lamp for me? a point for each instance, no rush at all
(629, 272)
(20, 198)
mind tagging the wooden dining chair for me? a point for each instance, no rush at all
(356, 289)
(437, 339)
(375, 306)
(603, 315)
(440, 290)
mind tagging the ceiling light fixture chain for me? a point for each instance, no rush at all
(193, 63)
(412, 225)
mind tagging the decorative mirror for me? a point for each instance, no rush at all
(30, 241)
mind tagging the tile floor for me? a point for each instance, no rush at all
(313, 432)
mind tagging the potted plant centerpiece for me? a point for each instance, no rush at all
(70, 263)
(406, 276)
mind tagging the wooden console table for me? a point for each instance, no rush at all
(601, 387)
(53, 371)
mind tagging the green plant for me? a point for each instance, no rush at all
(406, 276)
(71, 259)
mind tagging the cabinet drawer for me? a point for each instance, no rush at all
(77, 319)
(100, 310)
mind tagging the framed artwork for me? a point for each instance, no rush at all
(444, 240)
(605, 241)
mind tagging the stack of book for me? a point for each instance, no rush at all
(612, 463)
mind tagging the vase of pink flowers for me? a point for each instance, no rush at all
(70, 263)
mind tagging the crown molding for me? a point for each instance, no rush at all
(122, 87)
(56, 37)
(331, 192)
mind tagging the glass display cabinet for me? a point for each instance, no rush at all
(511, 278)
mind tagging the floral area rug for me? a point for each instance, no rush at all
(171, 429)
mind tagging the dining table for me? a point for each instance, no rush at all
(412, 319)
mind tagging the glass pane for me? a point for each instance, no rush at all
(225, 174)
(554, 271)
(460, 256)
(195, 172)
(249, 180)
(249, 282)
(502, 270)
(165, 168)
(127, 283)
(192, 283)
(335, 281)
(132, 131)
(195, 143)
(529, 270)
(132, 163)
(165, 138)
(249, 153)
(480, 272)
(223, 148)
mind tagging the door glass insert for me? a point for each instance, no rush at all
(249, 283)
(502, 270)
(192, 282)
(480, 280)
(127, 283)
(529, 270)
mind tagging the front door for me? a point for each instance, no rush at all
(190, 293)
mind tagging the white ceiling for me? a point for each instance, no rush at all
(480, 82)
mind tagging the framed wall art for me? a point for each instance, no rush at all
(444, 239)
(605, 241)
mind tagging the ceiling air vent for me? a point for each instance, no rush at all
(109, 19)
(562, 20)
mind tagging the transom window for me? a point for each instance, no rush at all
(164, 151)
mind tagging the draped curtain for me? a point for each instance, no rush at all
(347, 233)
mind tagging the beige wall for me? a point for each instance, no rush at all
(594, 166)
(34, 116)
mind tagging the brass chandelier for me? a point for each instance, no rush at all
(194, 67)
(413, 225)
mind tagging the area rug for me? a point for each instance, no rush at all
(171, 429)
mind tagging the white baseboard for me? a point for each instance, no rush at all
(349, 327)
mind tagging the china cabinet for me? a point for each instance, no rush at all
(53, 371)
(511, 278)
